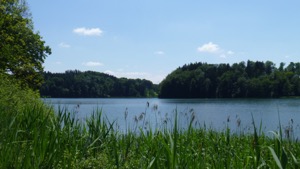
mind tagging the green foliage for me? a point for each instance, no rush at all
(254, 80)
(14, 97)
(22, 116)
(89, 84)
(22, 51)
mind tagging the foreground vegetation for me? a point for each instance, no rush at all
(35, 140)
(32, 136)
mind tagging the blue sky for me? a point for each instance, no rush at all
(149, 39)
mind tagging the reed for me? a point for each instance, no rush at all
(35, 137)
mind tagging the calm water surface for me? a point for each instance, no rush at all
(210, 113)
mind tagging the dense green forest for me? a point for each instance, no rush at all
(77, 84)
(239, 80)
(196, 80)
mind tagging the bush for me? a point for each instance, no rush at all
(14, 96)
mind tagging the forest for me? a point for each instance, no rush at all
(239, 80)
(251, 79)
(90, 84)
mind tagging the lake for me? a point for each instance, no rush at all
(217, 114)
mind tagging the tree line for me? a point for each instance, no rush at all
(239, 80)
(90, 84)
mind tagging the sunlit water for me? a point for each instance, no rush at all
(217, 114)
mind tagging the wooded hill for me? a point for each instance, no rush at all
(89, 84)
(195, 80)
(239, 80)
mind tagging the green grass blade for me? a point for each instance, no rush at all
(256, 143)
(175, 141)
(297, 163)
(275, 157)
(284, 158)
(151, 164)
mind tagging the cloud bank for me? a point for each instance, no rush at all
(64, 45)
(209, 48)
(159, 52)
(213, 48)
(92, 64)
(88, 31)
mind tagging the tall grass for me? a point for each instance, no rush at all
(33, 136)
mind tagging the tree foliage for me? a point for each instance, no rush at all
(239, 80)
(22, 51)
(89, 84)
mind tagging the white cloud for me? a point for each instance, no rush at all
(159, 52)
(58, 63)
(215, 49)
(230, 52)
(88, 31)
(92, 64)
(64, 45)
(209, 48)
(223, 56)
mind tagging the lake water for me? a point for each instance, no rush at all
(214, 114)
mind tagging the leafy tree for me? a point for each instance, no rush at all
(281, 67)
(22, 51)
(270, 67)
(291, 67)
